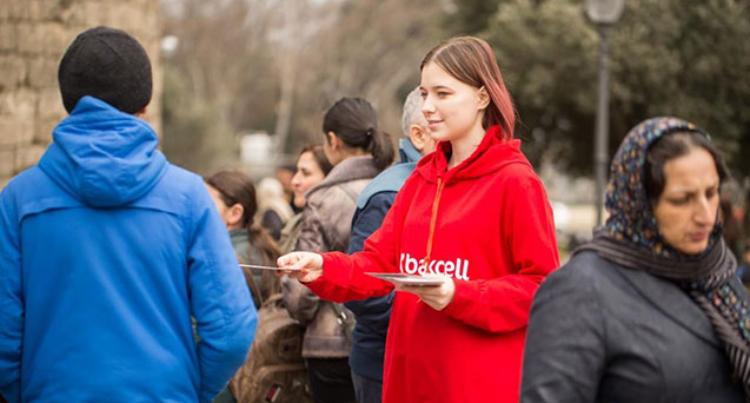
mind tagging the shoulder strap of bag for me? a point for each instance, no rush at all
(342, 317)
(252, 284)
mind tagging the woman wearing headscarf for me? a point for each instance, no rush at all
(650, 310)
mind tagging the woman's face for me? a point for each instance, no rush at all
(308, 175)
(687, 208)
(452, 108)
(231, 216)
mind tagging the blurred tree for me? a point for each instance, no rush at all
(194, 137)
(276, 65)
(249, 65)
(469, 17)
(667, 59)
(223, 68)
(367, 49)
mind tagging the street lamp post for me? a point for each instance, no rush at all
(604, 14)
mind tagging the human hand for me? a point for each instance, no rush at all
(437, 296)
(304, 266)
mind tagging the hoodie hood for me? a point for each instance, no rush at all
(492, 154)
(102, 156)
(350, 169)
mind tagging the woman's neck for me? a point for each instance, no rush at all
(233, 227)
(352, 152)
(463, 147)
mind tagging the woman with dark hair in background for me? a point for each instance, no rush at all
(475, 217)
(311, 168)
(358, 151)
(233, 193)
(651, 309)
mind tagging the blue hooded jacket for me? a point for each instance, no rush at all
(373, 315)
(106, 252)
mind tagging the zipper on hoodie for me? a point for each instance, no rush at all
(433, 219)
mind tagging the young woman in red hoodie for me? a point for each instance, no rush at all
(474, 213)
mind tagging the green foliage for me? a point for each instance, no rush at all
(195, 137)
(545, 52)
(666, 59)
(471, 16)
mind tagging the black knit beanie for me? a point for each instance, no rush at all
(108, 64)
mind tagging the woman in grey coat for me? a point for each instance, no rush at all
(651, 309)
(358, 151)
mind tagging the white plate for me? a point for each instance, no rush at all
(274, 268)
(408, 279)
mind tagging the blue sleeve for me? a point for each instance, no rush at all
(220, 302)
(11, 305)
(368, 219)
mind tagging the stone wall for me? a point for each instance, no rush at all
(33, 36)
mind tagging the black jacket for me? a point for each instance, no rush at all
(603, 333)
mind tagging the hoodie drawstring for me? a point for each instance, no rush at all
(433, 220)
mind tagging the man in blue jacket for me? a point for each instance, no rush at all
(107, 251)
(366, 359)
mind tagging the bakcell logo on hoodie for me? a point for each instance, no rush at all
(458, 268)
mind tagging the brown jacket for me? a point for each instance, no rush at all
(326, 226)
(290, 234)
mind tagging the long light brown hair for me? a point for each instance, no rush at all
(472, 61)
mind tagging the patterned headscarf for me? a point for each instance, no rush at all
(630, 216)
(631, 239)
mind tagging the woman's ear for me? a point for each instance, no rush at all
(233, 215)
(333, 140)
(483, 98)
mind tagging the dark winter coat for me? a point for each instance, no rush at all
(603, 333)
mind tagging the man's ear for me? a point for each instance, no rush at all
(418, 137)
(234, 214)
(484, 98)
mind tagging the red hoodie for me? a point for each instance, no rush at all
(488, 224)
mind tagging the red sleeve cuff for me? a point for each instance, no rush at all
(316, 285)
(463, 297)
(332, 272)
